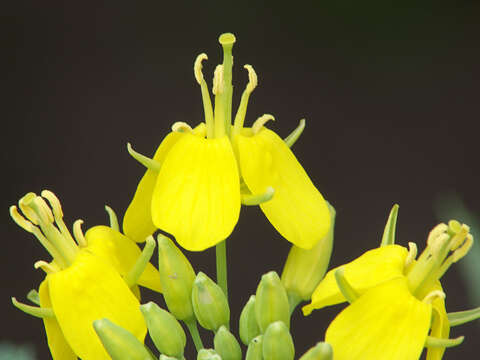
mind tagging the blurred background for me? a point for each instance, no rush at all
(389, 91)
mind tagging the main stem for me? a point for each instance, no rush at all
(221, 256)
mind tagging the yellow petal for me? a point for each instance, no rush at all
(122, 253)
(88, 290)
(387, 322)
(440, 325)
(297, 210)
(137, 222)
(368, 270)
(197, 194)
(59, 347)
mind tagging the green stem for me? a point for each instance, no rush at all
(221, 255)
(193, 329)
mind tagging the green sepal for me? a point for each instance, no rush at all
(344, 286)
(208, 354)
(226, 345)
(248, 326)
(166, 357)
(278, 343)
(39, 312)
(443, 343)
(176, 277)
(295, 134)
(257, 199)
(255, 349)
(166, 332)
(388, 237)
(271, 302)
(321, 351)
(462, 317)
(120, 343)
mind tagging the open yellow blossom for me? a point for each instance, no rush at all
(198, 178)
(396, 301)
(85, 281)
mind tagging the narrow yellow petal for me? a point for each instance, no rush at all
(368, 270)
(440, 325)
(297, 210)
(386, 322)
(122, 253)
(137, 222)
(197, 194)
(59, 347)
(88, 290)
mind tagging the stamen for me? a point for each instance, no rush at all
(242, 108)
(436, 232)
(144, 160)
(197, 68)
(388, 237)
(181, 126)
(433, 342)
(36, 311)
(218, 81)
(257, 199)
(462, 317)
(48, 268)
(218, 91)
(262, 120)
(113, 218)
(34, 297)
(42, 210)
(78, 233)
(412, 253)
(345, 288)
(207, 103)
(295, 134)
(57, 213)
(24, 205)
(457, 255)
(432, 295)
(134, 274)
(459, 237)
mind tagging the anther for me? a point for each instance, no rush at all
(197, 68)
(42, 210)
(433, 295)
(436, 232)
(24, 204)
(181, 126)
(218, 80)
(21, 221)
(257, 199)
(78, 233)
(54, 203)
(262, 120)
(48, 268)
(252, 79)
(412, 253)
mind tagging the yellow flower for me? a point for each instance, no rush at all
(84, 280)
(397, 303)
(198, 177)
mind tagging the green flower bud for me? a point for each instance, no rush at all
(271, 302)
(165, 357)
(209, 303)
(226, 345)
(278, 343)
(248, 322)
(255, 349)
(120, 343)
(166, 332)
(321, 351)
(176, 277)
(208, 354)
(304, 269)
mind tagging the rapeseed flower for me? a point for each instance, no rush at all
(397, 302)
(199, 177)
(84, 280)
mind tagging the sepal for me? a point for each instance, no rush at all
(321, 351)
(226, 345)
(248, 326)
(278, 343)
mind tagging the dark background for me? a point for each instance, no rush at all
(389, 89)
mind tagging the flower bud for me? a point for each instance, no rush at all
(248, 327)
(255, 349)
(321, 351)
(176, 277)
(304, 269)
(271, 302)
(208, 354)
(166, 332)
(209, 303)
(120, 343)
(278, 343)
(226, 345)
(165, 357)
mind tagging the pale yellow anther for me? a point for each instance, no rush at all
(431, 296)
(43, 211)
(181, 126)
(438, 244)
(459, 238)
(252, 78)
(262, 120)
(78, 233)
(464, 249)
(21, 221)
(24, 204)
(197, 67)
(436, 232)
(412, 253)
(218, 80)
(54, 203)
(48, 268)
